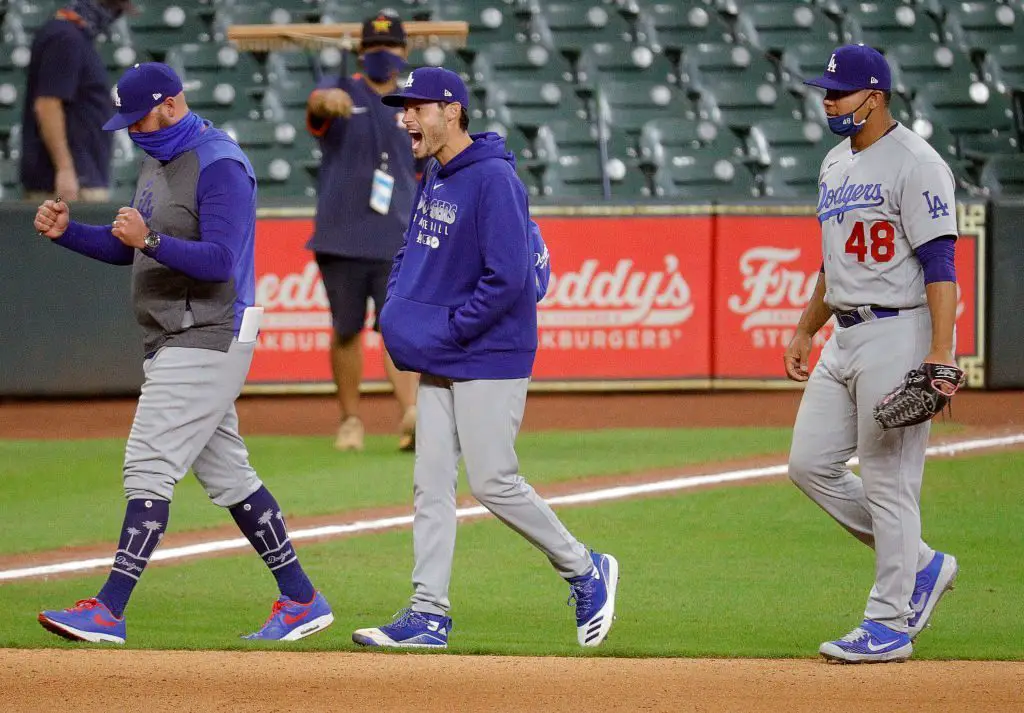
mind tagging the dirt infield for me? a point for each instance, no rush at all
(179, 681)
(114, 680)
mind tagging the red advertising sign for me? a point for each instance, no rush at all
(766, 269)
(629, 298)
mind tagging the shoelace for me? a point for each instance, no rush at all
(274, 610)
(581, 594)
(855, 635)
(83, 604)
(405, 616)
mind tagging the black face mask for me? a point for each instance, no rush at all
(97, 15)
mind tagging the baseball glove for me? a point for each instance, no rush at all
(925, 391)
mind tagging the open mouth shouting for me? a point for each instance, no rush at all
(417, 140)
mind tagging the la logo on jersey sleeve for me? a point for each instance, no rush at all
(935, 205)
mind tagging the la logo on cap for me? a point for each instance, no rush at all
(408, 82)
(832, 64)
(117, 98)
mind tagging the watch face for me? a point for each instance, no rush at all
(152, 240)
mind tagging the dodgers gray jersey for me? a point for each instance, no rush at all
(875, 208)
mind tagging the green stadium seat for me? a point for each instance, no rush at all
(562, 137)
(489, 22)
(280, 99)
(774, 26)
(888, 24)
(159, 26)
(517, 60)
(680, 24)
(978, 25)
(277, 178)
(348, 11)
(920, 65)
(1004, 175)
(1003, 66)
(118, 57)
(124, 173)
(257, 13)
(960, 108)
(22, 19)
(740, 103)
(573, 26)
(622, 62)
(630, 105)
(582, 176)
(12, 87)
(660, 138)
(528, 104)
(215, 62)
(707, 63)
(792, 174)
(10, 179)
(295, 68)
(440, 57)
(220, 102)
(982, 146)
(803, 60)
(704, 175)
(775, 137)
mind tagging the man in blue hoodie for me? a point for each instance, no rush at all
(461, 309)
(189, 236)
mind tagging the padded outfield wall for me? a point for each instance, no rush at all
(642, 296)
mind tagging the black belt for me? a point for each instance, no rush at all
(852, 317)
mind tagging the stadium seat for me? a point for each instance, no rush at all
(123, 176)
(278, 179)
(767, 139)
(660, 138)
(792, 174)
(704, 175)
(982, 146)
(22, 19)
(489, 22)
(349, 11)
(562, 137)
(888, 24)
(220, 102)
(118, 57)
(919, 65)
(1003, 66)
(1004, 175)
(803, 60)
(256, 13)
(739, 103)
(974, 108)
(630, 105)
(295, 68)
(581, 176)
(572, 27)
(528, 104)
(517, 60)
(439, 57)
(978, 25)
(10, 179)
(215, 62)
(774, 26)
(707, 63)
(621, 62)
(680, 24)
(158, 26)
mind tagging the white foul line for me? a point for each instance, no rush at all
(593, 496)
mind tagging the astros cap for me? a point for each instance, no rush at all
(384, 28)
(431, 84)
(854, 67)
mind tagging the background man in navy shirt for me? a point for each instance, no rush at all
(367, 180)
(67, 99)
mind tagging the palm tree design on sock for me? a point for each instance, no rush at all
(284, 529)
(260, 534)
(151, 527)
(267, 519)
(132, 532)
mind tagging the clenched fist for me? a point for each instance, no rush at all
(331, 103)
(52, 219)
(130, 228)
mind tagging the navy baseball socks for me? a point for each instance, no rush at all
(101, 619)
(300, 610)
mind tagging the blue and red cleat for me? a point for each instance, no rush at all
(290, 620)
(89, 620)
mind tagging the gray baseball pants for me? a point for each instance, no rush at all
(478, 420)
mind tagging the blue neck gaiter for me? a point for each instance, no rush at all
(381, 66)
(165, 144)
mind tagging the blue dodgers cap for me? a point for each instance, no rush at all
(141, 88)
(435, 84)
(854, 67)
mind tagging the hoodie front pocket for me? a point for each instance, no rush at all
(416, 332)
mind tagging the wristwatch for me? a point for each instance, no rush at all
(152, 240)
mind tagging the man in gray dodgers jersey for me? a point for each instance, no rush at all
(189, 236)
(888, 228)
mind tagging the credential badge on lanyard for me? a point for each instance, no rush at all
(383, 187)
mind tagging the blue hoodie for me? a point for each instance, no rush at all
(462, 298)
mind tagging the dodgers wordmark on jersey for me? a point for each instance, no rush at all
(875, 208)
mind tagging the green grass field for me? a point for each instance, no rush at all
(747, 571)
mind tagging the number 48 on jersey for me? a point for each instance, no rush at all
(875, 239)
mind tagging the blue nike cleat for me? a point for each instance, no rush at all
(594, 596)
(870, 642)
(410, 629)
(89, 620)
(290, 620)
(932, 582)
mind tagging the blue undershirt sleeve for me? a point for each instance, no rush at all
(97, 242)
(224, 194)
(937, 259)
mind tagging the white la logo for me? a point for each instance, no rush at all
(832, 64)
(408, 82)
(117, 98)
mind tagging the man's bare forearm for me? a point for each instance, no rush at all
(49, 113)
(816, 313)
(942, 300)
